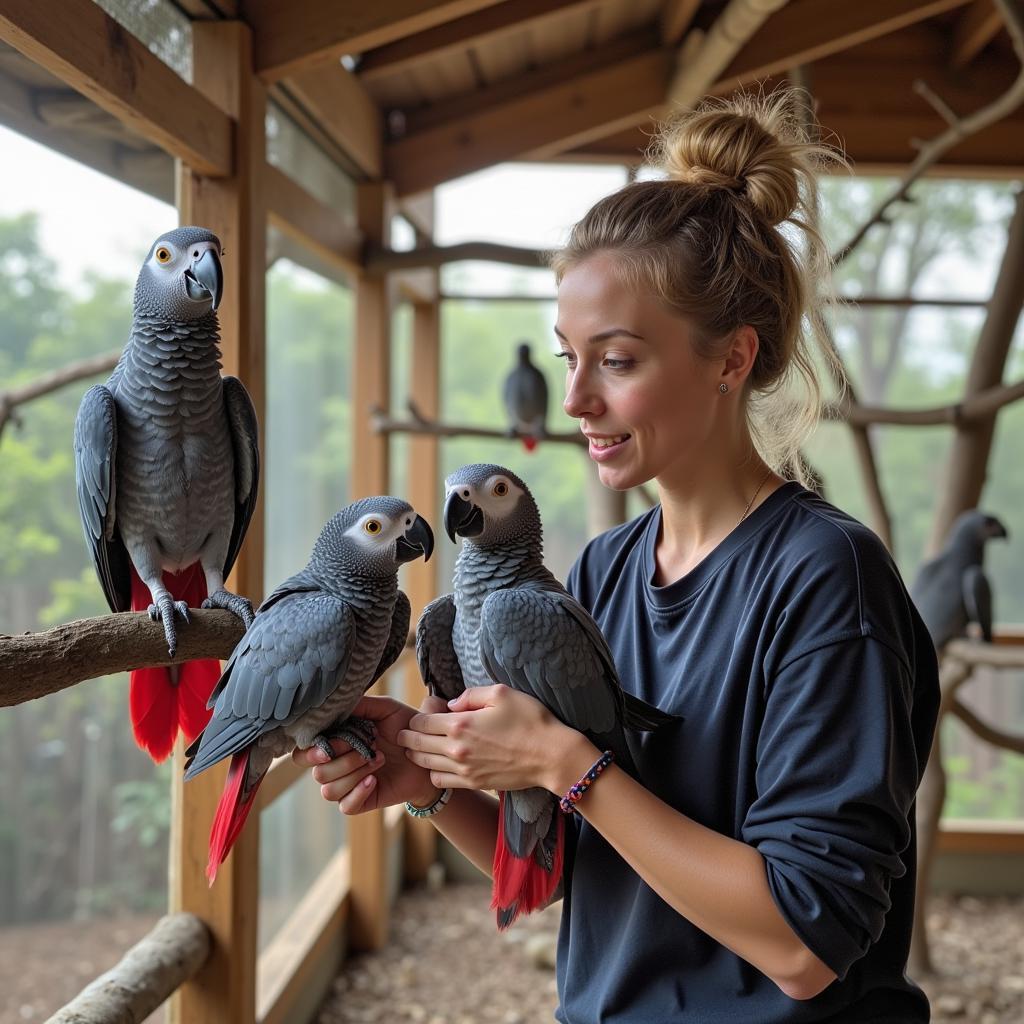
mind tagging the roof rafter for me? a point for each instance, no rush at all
(792, 37)
(293, 35)
(978, 26)
(676, 17)
(462, 32)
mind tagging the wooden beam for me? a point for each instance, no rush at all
(300, 34)
(370, 475)
(461, 33)
(310, 222)
(676, 18)
(977, 27)
(339, 104)
(224, 992)
(86, 48)
(801, 33)
(533, 126)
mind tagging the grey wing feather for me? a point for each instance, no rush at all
(435, 651)
(95, 481)
(291, 659)
(244, 431)
(978, 599)
(397, 638)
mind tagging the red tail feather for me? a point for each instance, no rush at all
(521, 885)
(232, 811)
(529, 443)
(163, 699)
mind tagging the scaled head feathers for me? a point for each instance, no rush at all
(490, 506)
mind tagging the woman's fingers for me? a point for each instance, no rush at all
(344, 765)
(355, 801)
(340, 786)
(432, 762)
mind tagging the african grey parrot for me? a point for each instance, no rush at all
(318, 642)
(510, 621)
(526, 399)
(951, 589)
(167, 470)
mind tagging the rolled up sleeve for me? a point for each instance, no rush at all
(836, 774)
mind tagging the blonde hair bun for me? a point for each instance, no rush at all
(754, 147)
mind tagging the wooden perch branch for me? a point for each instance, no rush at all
(959, 128)
(147, 974)
(973, 653)
(53, 381)
(986, 732)
(36, 664)
(420, 424)
(975, 409)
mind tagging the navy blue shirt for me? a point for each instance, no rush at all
(809, 689)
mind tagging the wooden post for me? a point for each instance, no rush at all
(425, 496)
(224, 992)
(370, 466)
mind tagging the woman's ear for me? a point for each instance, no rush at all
(739, 359)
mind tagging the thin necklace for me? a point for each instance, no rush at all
(764, 480)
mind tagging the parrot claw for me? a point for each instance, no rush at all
(164, 611)
(234, 603)
(359, 733)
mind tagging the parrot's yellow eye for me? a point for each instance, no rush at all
(500, 489)
(372, 526)
(163, 255)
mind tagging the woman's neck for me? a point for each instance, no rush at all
(701, 507)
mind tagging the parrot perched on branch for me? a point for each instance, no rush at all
(526, 399)
(952, 589)
(167, 471)
(319, 641)
(510, 621)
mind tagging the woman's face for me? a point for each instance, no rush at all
(648, 404)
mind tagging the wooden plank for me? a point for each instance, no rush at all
(105, 62)
(533, 126)
(311, 941)
(224, 991)
(310, 222)
(977, 27)
(962, 835)
(462, 32)
(370, 475)
(342, 108)
(676, 18)
(300, 34)
(804, 32)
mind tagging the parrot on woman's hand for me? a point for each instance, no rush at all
(510, 621)
(167, 471)
(319, 641)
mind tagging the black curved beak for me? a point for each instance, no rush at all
(418, 540)
(996, 528)
(462, 517)
(205, 278)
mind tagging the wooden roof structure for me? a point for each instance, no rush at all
(372, 106)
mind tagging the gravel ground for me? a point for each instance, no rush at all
(447, 964)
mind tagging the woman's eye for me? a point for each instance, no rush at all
(618, 364)
(569, 358)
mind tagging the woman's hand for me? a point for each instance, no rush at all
(391, 778)
(496, 738)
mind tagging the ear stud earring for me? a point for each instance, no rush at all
(723, 388)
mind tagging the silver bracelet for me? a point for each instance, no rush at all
(428, 812)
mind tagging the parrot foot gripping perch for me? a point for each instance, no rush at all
(234, 603)
(164, 611)
(359, 733)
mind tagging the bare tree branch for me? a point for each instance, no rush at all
(986, 732)
(36, 664)
(420, 424)
(53, 381)
(959, 128)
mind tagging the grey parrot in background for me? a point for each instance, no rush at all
(951, 589)
(526, 399)
(167, 471)
(510, 621)
(319, 641)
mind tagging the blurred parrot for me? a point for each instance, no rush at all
(510, 621)
(167, 471)
(319, 641)
(526, 399)
(952, 589)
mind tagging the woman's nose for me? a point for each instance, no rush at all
(580, 399)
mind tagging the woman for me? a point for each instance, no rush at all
(762, 867)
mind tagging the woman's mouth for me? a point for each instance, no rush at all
(603, 448)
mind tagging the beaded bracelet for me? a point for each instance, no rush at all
(577, 790)
(429, 811)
